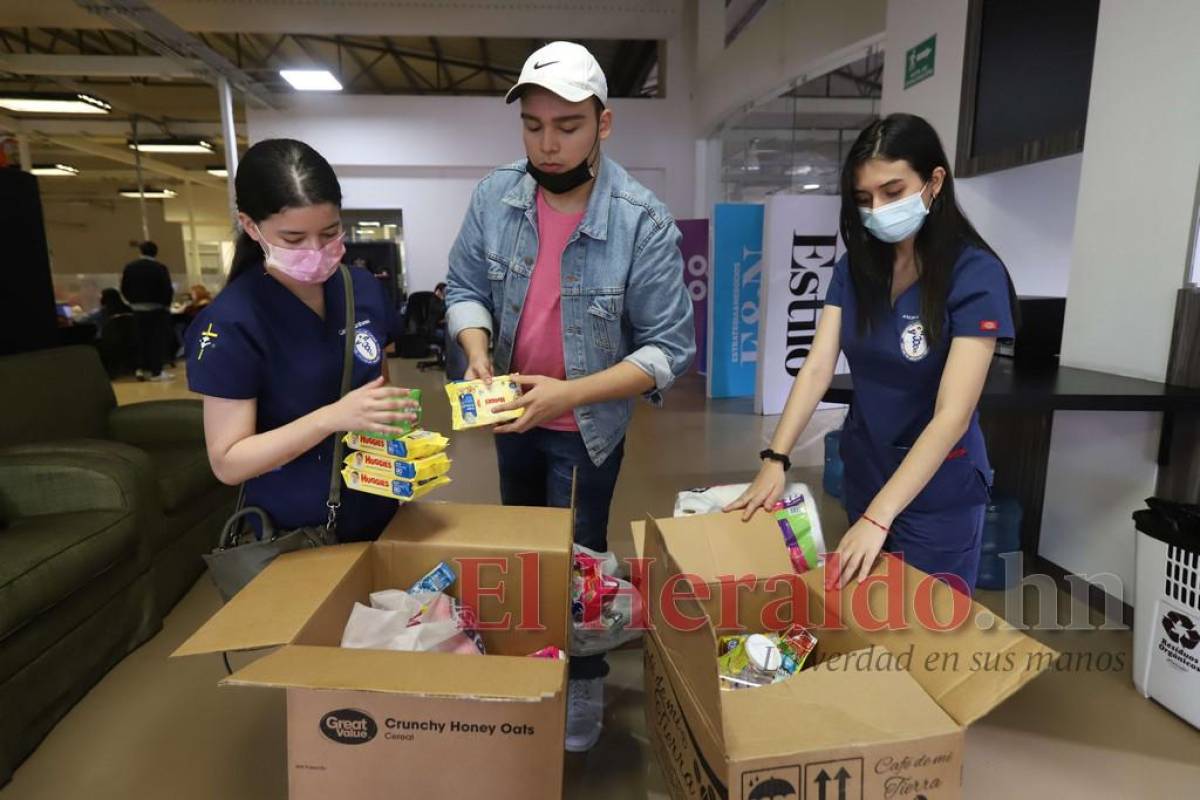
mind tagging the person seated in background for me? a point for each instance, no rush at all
(201, 297)
(111, 304)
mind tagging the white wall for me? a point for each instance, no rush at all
(1027, 215)
(1101, 469)
(424, 155)
(786, 40)
(1137, 193)
(938, 97)
(94, 238)
(1133, 235)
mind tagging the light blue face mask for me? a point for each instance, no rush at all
(896, 221)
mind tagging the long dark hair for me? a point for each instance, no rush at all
(273, 175)
(944, 234)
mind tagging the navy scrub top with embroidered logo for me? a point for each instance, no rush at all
(259, 341)
(897, 375)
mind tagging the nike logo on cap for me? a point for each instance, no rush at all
(548, 63)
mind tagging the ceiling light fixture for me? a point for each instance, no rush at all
(62, 170)
(217, 171)
(151, 193)
(311, 80)
(53, 103)
(175, 145)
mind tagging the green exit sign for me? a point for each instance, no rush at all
(918, 62)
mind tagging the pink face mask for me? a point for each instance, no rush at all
(303, 264)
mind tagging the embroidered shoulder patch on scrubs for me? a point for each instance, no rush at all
(208, 338)
(913, 342)
(366, 347)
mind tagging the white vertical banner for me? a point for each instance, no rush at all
(800, 247)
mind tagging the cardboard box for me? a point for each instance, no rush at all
(380, 724)
(881, 716)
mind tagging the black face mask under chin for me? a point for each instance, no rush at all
(563, 182)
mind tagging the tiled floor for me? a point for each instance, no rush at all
(160, 728)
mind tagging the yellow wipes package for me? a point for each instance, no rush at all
(417, 444)
(471, 402)
(418, 469)
(404, 491)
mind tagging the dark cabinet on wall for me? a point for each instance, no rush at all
(27, 320)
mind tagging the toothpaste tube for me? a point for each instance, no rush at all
(420, 469)
(438, 579)
(472, 402)
(417, 444)
(396, 489)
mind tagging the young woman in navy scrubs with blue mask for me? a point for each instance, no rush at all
(267, 353)
(917, 304)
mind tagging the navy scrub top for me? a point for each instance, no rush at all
(897, 374)
(259, 341)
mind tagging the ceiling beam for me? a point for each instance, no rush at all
(82, 126)
(127, 157)
(365, 69)
(487, 63)
(414, 77)
(168, 39)
(96, 66)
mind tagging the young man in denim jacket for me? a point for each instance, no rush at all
(571, 271)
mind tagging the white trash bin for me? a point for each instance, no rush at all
(1166, 625)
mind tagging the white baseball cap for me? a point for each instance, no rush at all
(565, 68)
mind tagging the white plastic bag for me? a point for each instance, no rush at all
(617, 615)
(712, 499)
(388, 625)
(381, 629)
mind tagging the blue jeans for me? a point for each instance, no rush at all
(536, 469)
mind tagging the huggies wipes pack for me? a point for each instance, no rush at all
(417, 444)
(398, 467)
(472, 402)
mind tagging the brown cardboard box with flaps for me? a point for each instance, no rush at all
(381, 724)
(882, 714)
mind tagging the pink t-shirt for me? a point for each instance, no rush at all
(538, 349)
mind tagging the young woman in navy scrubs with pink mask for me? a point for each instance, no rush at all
(267, 353)
(917, 304)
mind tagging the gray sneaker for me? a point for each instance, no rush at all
(585, 714)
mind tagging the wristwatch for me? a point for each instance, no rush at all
(780, 457)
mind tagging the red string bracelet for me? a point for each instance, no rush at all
(876, 524)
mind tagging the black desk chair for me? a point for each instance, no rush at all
(118, 345)
(423, 332)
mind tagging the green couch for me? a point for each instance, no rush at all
(104, 512)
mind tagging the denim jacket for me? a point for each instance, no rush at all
(623, 295)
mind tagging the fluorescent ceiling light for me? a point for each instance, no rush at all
(53, 103)
(151, 193)
(370, 223)
(172, 146)
(64, 170)
(217, 171)
(311, 80)
(808, 187)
